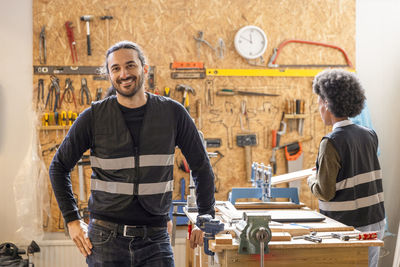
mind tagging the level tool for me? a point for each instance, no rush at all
(67, 70)
(266, 72)
(177, 65)
(188, 75)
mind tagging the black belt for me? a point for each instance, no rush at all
(129, 230)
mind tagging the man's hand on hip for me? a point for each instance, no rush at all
(78, 232)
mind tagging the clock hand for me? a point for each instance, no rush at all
(251, 38)
(242, 37)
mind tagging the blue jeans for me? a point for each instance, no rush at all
(111, 249)
(373, 252)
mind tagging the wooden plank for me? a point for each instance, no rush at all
(268, 205)
(223, 239)
(292, 176)
(299, 257)
(281, 236)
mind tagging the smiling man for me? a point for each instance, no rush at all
(132, 138)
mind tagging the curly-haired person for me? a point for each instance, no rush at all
(348, 180)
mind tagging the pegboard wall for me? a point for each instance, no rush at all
(166, 31)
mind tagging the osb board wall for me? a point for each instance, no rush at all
(165, 30)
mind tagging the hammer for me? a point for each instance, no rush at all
(107, 19)
(87, 18)
(185, 88)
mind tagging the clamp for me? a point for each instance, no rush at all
(71, 39)
(85, 91)
(210, 227)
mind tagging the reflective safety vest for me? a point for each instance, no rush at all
(122, 171)
(359, 192)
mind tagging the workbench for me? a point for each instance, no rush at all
(290, 252)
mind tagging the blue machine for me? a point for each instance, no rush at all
(261, 179)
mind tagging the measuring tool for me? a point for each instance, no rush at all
(178, 65)
(67, 70)
(266, 72)
(188, 75)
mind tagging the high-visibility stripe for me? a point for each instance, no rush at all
(155, 188)
(112, 187)
(112, 164)
(127, 188)
(129, 162)
(351, 205)
(359, 179)
(156, 160)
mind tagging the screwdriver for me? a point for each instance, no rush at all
(358, 236)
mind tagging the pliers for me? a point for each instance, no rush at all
(85, 90)
(68, 92)
(54, 90)
(42, 46)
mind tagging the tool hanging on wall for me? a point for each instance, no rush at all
(294, 157)
(69, 93)
(247, 141)
(40, 95)
(276, 135)
(151, 79)
(199, 40)
(272, 61)
(99, 93)
(181, 65)
(209, 93)
(85, 92)
(53, 95)
(107, 19)
(265, 72)
(232, 92)
(186, 89)
(71, 41)
(42, 46)
(87, 19)
(67, 70)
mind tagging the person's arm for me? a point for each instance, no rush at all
(77, 141)
(191, 145)
(323, 184)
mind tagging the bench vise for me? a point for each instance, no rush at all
(210, 227)
(255, 233)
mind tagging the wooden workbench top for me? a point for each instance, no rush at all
(323, 228)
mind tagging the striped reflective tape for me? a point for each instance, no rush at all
(359, 179)
(111, 187)
(155, 188)
(351, 205)
(156, 160)
(129, 162)
(112, 164)
(127, 188)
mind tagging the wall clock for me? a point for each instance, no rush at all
(250, 42)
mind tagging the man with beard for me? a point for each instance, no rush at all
(132, 138)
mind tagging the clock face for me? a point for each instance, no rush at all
(251, 42)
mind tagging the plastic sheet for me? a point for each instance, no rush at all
(31, 191)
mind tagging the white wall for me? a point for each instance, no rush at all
(15, 100)
(378, 65)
